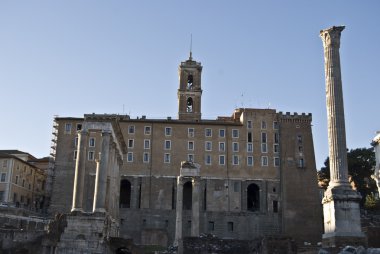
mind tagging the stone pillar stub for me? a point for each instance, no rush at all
(101, 175)
(195, 207)
(80, 170)
(340, 203)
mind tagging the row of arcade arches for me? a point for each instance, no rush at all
(253, 196)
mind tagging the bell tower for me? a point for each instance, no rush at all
(190, 90)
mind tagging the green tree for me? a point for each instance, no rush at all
(361, 162)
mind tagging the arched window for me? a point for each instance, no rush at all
(187, 199)
(190, 82)
(189, 105)
(253, 197)
(125, 194)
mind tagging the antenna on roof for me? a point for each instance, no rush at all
(191, 47)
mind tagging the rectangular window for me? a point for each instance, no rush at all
(146, 157)
(75, 154)
(299, 139)
(276, 161)
(79, 126)
(68, 128)
(222, 147)
(130, 157)
(230, 226)
(208, 132)
(249, 147)
(168, 131)
(236, 186)
(235, 133)
(131, 129)
(249, 124)
(208, 146)
(301, 163)
(208, 159)
(190, 157)
(235, 146)
(264, 148)
(263, 125)
(235, 160)
(264, 161)
(5, 163)
(130, 143)
(146, 144)
(190, 132)
(14, 197)
(275, 206)
(190, 145)
(221, 160)
(167, 158)
(168, 144)
(250, 160)
(222, 133)
(276, 138)
(263, 137)
(16, 182)
(249, 136)
(147, 130)
(276, 148)
(3, 176)
(91, 142)
(211, 226)
(91, 155)
(76, 142)
(275, 125)
(23, 182)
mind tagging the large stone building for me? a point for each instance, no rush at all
(254, 172)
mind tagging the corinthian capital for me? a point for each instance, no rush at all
(331, 36)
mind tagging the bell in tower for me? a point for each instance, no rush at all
(190, 90)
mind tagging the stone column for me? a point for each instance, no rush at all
(376, 174)
(335, 110)
(195, 206)
(340, 204)
(178, 221)
(80, 170)
(101, 175)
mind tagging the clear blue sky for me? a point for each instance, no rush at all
(68, 58)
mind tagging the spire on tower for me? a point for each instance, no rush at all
(191, 45)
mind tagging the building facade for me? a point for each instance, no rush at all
(22, 184)
(256, 177)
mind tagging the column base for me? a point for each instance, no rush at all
(76, 211)
(99, 210)
(333, 240)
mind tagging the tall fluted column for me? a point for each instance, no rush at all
(101, 175)
(340, 203)
(179, 204)
(334, 103)
(195, 207)
(80, 170)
